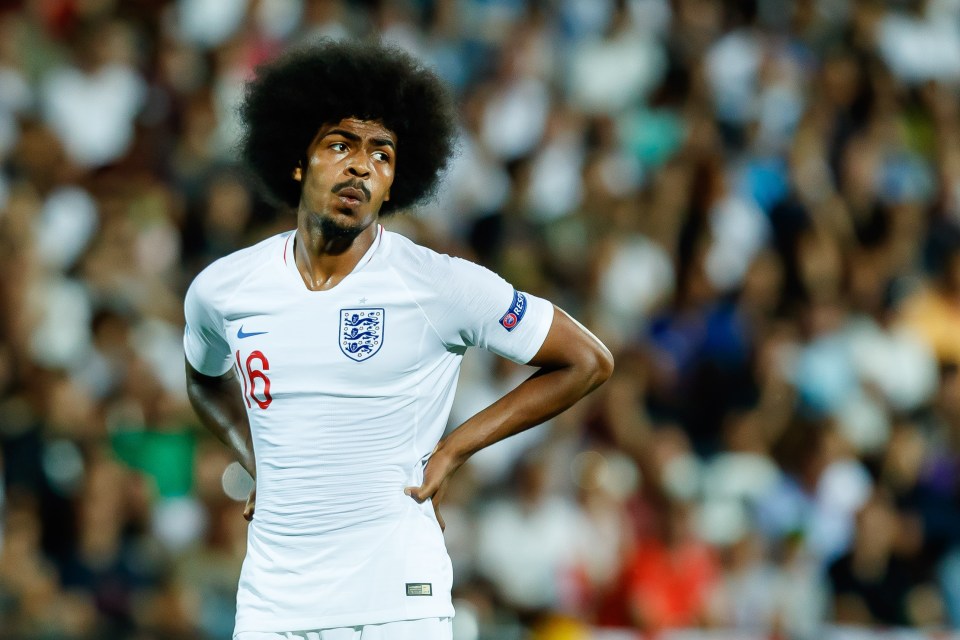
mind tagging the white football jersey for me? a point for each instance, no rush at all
(348, 391)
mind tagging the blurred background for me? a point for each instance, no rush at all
(756, 205)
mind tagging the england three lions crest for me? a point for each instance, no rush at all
(361, 333)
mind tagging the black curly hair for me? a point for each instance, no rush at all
(303, 89)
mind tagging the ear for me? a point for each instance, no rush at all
(387, 197)
(298, 174)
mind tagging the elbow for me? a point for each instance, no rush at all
(599, 365)
(605, 366)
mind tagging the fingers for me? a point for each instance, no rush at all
(435, 476)
(437, 499)
(422, 493)
(419, 493)
(250, 506)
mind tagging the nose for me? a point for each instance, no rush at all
(358, 166)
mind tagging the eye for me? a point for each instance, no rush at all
(338, 146)
(381, 156)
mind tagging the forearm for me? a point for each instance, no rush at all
(543, 395)
(217, 402)
(572, 361)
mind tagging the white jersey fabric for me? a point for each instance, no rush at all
(420, 629)
(348, 392)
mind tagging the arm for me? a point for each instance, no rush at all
(217, 402)
(572, 361)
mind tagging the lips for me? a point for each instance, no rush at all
(352, 194)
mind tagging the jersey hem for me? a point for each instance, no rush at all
(345, 620)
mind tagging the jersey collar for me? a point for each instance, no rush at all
(290, 262)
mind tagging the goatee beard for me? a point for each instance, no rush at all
(333, 231)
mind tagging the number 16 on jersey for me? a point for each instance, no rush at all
(254, 369)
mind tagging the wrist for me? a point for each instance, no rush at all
(453, 450)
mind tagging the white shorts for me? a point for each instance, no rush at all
(423, 629)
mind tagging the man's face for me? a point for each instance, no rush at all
(350, 168)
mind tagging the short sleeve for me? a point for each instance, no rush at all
(474, 307)
(204, 343)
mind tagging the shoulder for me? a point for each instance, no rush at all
(404, 253)
(223, 276)
(417, 263)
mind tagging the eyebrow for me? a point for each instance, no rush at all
(351, 136)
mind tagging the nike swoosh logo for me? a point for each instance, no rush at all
(242, 335)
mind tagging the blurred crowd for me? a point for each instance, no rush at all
(754, 203)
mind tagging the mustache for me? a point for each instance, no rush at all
(352, 184)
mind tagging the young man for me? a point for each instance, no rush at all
(327, 357)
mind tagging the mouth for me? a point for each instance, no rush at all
(350, 196)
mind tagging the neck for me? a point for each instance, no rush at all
(325, 255)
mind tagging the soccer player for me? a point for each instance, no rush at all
(327, 357)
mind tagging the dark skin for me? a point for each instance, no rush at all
(572, 362)
(219, 405)
(350, 169)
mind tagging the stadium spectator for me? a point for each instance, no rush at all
(757, 203)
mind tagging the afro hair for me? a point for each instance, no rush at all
(303, 89)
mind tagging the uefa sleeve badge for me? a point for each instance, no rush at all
(514, 314)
